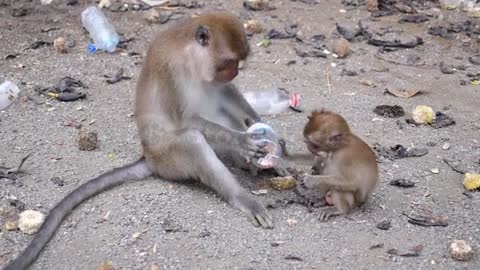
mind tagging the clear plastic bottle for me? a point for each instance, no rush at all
(271, 101)
(103, 33)
(8, 93)
(274, 150)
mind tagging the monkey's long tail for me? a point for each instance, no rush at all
(132, 172)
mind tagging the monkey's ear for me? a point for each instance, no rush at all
(202, 35)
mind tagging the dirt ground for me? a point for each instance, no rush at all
(186, 226)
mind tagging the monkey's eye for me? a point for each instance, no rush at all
(202, 36)
(336, 138)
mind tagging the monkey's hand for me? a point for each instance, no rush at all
(249, 145)
(313, 182)
(256, 213)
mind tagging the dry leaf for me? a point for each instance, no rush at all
(404, 93)
(340, 47)
(11, 225)
(59, 45)
(106, 266)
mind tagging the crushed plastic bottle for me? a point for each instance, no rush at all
(103, 33)
(274, 150)
(271, 101)
(8, 93)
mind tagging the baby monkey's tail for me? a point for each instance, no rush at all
(132, 172)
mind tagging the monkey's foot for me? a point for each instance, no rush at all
(327, 213)
(256, 213)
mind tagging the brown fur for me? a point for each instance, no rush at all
(188, 112)
(348, 168)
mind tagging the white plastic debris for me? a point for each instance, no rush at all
(8, 93)
(30, 221)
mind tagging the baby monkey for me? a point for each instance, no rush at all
(347, 167)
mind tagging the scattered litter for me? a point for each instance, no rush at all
(273, 101)
(348, 72)
(49, 29)
(399, 151)
(379, 245)
(427, 221)
(367, 82)
(471, 181)
(154, 266)
(8, 93)
(442, 120)
(87, 140)
(398, 58)
(460, 250)
(264, 43)
(253, 27)
(11, 56)
(257, 5)
(372, 5)
(446, 69)
(108, 265)
(403, 183)
(30, 221)
(153, 16)
(435, 170)
(9, 173)
(100, 29)
(423, 114)
(412, 252)
(283, 183)
(384, 225)
(275, 34)
(66, 90)
(392, 111)
(454, 165)
(348, 34)
(104, 4)
(293, 258)
(446, 146)
(415, 18)
(11, 225)
(311, 53)
(38, 44)
(390, 39)
(20, 12)
(117, 77)
(260, 192)
(475, 60)
(59, 45)
(470, 28)
(340, 47)
(276, 243)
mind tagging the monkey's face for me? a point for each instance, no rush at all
(223, 39)
(325, 132)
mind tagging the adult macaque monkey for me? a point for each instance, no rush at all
(187, 112)
(347, 165)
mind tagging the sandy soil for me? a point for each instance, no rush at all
(210, 234)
